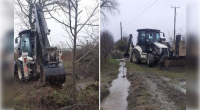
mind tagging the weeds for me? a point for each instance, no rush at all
(28, 96)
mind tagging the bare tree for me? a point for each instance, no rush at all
(108, 7)
(74, 24)
(171, 37)
(107, 45)
(24, 11)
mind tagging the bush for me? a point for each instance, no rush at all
(88, 66)
(121, 45)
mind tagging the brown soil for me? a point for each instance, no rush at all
(149, 91)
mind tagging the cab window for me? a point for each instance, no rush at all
(25, 43)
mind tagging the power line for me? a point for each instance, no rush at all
(139, 7)
(140, 13)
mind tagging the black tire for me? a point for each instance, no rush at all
(20, 71)
(150, 60)
(156, 62)
(135, 57)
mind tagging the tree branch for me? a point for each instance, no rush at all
(86, 53)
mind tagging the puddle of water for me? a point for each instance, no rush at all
(180, 85)
(116, 100)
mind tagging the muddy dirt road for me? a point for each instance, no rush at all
(153, 90)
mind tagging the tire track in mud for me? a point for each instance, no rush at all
(150, 91)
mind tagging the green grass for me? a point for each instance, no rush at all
(134, 67)
(113, 61)
(109, 71)
(171, 73)
(55, 98)
(31, 97)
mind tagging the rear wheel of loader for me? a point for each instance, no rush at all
(150, 60)
(20, 71)
(135, 57)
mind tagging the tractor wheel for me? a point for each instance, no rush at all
(156, 62)
(136, 57)
(20, 71)
(150, 60)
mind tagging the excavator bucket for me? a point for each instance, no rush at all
(129, 47)
(174, 61)
(55, 74)
(126, 55)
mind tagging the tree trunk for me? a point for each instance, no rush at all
(74, 52)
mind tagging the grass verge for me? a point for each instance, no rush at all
(172, 73)
(109, 72)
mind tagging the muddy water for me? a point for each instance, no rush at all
(116, 100)
(180, 85)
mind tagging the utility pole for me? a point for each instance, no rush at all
(175, 21)
(121, 29)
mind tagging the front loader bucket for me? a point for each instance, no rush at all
(174, 61)
(55, 74)
(126, 54)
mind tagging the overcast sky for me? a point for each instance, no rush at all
(159, 16)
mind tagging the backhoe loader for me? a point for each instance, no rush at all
(37, 59)
(150, 47)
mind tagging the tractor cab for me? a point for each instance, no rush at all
(146, 38)
(25, 42)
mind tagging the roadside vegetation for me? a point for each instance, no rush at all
(109, 66)
(30, 95)
(110, 52)
(172, 73)
(121, 44)
(108, 73)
